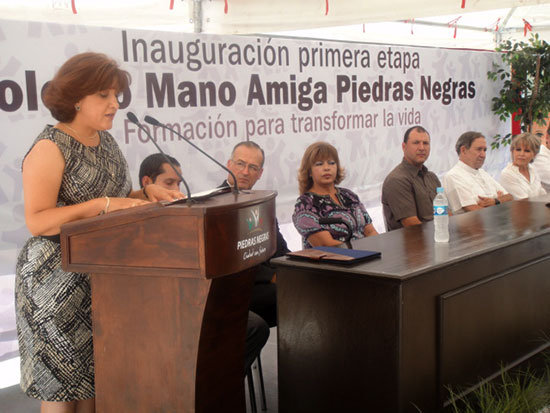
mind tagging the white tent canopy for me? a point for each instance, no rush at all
(32, 51)
(479, 24)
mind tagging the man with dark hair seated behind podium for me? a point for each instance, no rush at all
(155, 170)
(246, 163)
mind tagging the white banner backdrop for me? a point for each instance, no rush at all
(219, 90)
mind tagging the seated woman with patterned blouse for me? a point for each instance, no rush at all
(320, 172)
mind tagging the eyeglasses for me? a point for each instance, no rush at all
(242, 165)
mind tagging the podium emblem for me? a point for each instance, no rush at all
(254, 220)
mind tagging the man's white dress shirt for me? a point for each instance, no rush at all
(542, 166)
(463, 185)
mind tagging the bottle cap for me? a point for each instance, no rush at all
(439, 189)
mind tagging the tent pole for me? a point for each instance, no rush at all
(197, 15)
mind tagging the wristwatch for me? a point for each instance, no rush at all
(497, 201)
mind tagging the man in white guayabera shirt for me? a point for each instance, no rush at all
(467, 186)
(542, 162)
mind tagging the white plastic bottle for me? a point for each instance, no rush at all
(441, 217)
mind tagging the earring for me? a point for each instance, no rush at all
(77, 108)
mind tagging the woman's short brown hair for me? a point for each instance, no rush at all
(82, 75)
(318, 151)
(528, 140)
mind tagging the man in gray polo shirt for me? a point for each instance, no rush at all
(409, 190)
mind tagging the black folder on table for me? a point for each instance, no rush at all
(334, 255)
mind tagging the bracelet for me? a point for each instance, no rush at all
(145, 193)
(107, 204)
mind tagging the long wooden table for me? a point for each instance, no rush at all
(394, 334)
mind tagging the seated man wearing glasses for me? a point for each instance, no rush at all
(155, 170)
(247, 161)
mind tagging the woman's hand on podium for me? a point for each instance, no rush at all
(116, 204)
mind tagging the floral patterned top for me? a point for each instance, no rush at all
(310, 207)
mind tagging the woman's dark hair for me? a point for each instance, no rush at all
(82, 75)
(318, 151)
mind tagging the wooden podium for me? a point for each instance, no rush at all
(171, 287)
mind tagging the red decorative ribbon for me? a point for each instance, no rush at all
(326, 10)
(412, 24)
(463, 4)
(225, 7)
(171, 4)
(516, 124)
(454, 23)
(73, 6)
(526, 26)
(493, 27)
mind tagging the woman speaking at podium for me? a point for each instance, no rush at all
(73, 170)
(319, 173)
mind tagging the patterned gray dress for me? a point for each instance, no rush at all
(53, 307)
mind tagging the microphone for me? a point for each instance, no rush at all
(133, 118)
(328, 221)
(154, 122)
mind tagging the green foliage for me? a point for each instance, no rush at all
(501, 140)
(525, 77)
(517, 392)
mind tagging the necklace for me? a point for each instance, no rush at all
(77, 135)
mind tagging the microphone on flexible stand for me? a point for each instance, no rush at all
(328, 221)
(133, 118)
(155, 122)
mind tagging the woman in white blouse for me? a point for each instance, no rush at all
(519, 177)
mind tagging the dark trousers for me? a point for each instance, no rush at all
(257, 333)
(264, 302)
